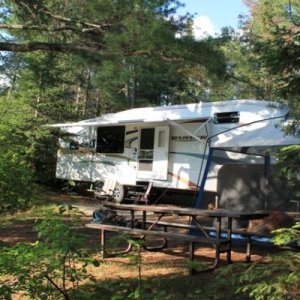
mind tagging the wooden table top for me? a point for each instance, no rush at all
(222, 213)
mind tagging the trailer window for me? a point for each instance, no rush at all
(147, 138)
(227, 117)
(110, 139)
(146, 149)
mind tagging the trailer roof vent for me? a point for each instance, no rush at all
(227, 117)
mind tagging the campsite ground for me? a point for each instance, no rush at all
(164, 273)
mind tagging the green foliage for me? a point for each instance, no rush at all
(273, 33)
(128, 290)
(197, 265)
(50, 268)
(16, 178)
(102, 57)
(284, 236)
(289, 167)
(276, 279)
(115, 55)
(248, 79)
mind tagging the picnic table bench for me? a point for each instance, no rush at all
(150, 228)
(220, 245)
(247, 235)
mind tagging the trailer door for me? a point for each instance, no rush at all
(161, 152)
(145, 156)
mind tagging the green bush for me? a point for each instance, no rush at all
(51, 268)
(16, 171)
(289, 167)
(16, 183)
(277, 278)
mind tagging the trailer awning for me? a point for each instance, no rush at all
(263, 133)
(112, 122)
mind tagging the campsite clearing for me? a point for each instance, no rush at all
(165, 270)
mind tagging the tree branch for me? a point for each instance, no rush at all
(63, 292)
(19, 27)
(102, 27)
(27, 7)
(239, 79)
(56, 47)
(92, 26)
(43, 28)
(96, 49)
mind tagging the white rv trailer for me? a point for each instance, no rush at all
(171, 146)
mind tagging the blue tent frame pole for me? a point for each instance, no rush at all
(200, 193)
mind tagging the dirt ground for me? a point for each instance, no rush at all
(170, 261)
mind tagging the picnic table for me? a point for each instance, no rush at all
(152, 219)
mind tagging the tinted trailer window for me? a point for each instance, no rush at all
(110, 139)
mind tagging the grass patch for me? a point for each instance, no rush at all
(157, 288)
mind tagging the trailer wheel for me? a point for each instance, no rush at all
(119, 193)
(98, 185)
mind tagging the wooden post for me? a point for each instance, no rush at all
(102, 240)
(191, 257)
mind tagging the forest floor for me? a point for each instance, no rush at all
(167, 269)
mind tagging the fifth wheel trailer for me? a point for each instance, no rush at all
(180, 147)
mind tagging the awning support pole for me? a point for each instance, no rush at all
(266, 179)
(200, 193)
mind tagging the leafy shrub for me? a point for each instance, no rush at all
(16, 172)
(16, 183)
(276, 279)
(50, 268)
(289, 167)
